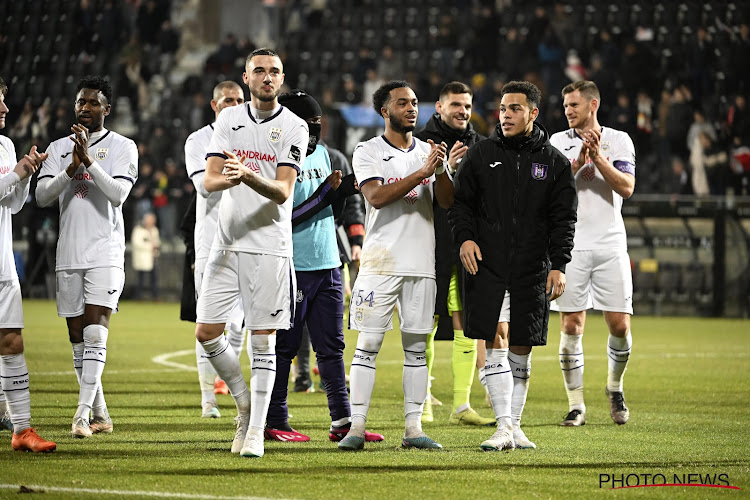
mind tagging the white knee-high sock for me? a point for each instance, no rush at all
(94, 359)
(499, 384)
(618, 352)
(362, 378)
(15, 385)
(206, 374)
(571, 364)
(262, 378)
(236, 337)
(100, 405)
(415, 381)
(221, 356)
(521, 366)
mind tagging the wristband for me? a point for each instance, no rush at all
(441, 169)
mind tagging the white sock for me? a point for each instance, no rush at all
(521, 366)
(362, 378)
(262, 378)
(99, 408)
(618, 352)
(482, 377)
(221, 356)
(206, 375)
(94, 359)
(15, 385)
(415, 381)
(499, 384)
(571, 364)
(78, 359)
(236, 337)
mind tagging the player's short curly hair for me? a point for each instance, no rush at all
(531, 91)
(382, 96)
(97, 83)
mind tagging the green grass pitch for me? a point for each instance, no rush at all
(687, 386)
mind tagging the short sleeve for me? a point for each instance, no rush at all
(195, 156)
(220, 138)
(294, 148)
(366, 167)
(126, 165)
(51, 166)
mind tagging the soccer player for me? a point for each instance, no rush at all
(15, 407)
(226, 94)
(450, 124)
(398, 175)
(91, 178)
(514, 216)
(254, 156)
(319, 195)
(603, 161)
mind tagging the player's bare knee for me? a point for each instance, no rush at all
(205, 332)
(572, 324)
(11, 342)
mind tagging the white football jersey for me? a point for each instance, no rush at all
(248, 221)
(400, 237)
(600, 224)
(206, 208)
(91, 232)
(12, 197)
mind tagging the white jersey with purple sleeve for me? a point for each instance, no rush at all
(248, 221)
(13, 194)
(600, 224)
(91, 232)
(206, 204)
(399, 237)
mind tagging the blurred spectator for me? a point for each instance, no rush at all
(551, 57)
(111, 29)
(143, 189)
(700, 54)
(150, 16)
(699, 125)
(351, 93)
(145, 248)
(390, 67)
(710, 164)
(644, 121)
(738, 122)
(514, 55)
(574, 68)
(678, 122)
(222, 61)
(365, 62)
(623, 115)
(372, 84)
(677, 179)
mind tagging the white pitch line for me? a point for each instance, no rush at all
(158, 494)
(163, 359)
(109, 372)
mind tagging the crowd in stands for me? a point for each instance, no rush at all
(674, 75)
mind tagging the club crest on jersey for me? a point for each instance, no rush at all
(101, 153)
(422, 156)
(606, 145)
(4, 157)
(538, 171)
(274, 135)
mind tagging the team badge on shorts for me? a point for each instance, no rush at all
(101, 153)
(358, 315)
(538, 171)
(299, 297)
(274, 135)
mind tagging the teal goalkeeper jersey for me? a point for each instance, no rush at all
(314, 240)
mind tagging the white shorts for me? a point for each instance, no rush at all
(101, 286)
(266, 283)
(237, 316)
(375, 296)
(505, 310)
(11, 310)
(597, 278)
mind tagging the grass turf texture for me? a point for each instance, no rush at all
(687, 388)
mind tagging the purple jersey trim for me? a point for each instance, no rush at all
(413, 144)
(370, 179)
(197, 172)
(124, 177)
(312, 203)
(295, 167)
(625, 167)
(220, 155)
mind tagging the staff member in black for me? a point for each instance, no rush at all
(514, 217)
(450, 124)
